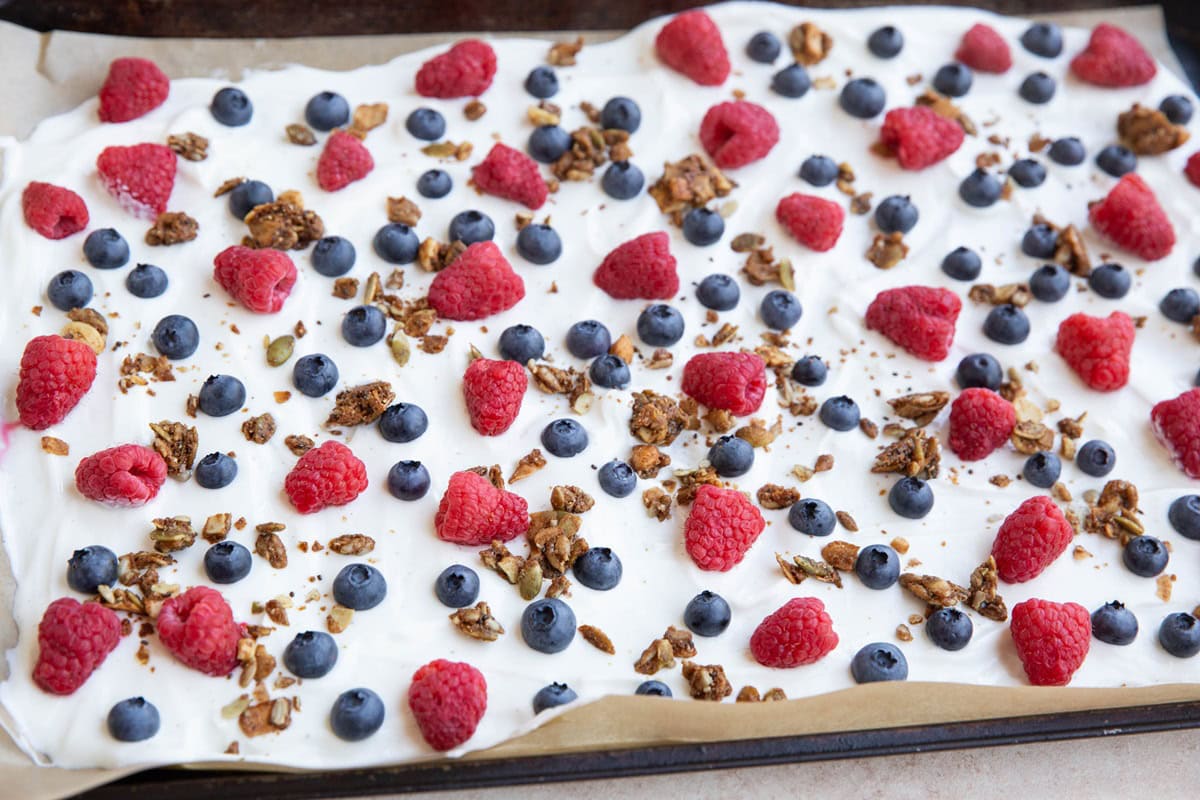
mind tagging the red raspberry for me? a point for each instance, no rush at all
(477, 284)
(980, 421)
(800, 632)
(737, 134)
(1176, 424)
(919, 136)
(721, 527)
(465, 70)
(1113, 58)
(329, 475)
(919, 319)
(512, 175)
(1192, 168)
(493, 391)
(55, 374)
(1029, 540)
(813, 221)
(1131, 216)
(344, 160)
(134, 87)
(640, 269)
(735, 382)
(140, 177)
(53, 211)
(447, 699)
(984, 50)
(258, 279)
(691, 44)
(198, 628)
(473, 511)
(1097, 348)
(1051, 638)
(127, 475)
(73, 639)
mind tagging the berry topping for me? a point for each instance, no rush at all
(738, 133)
(780, 309)
(465, 70)
(344, 160)
(230, 106)
(862, 98)
(953, 80)
(731, 457)
(140, 177)
(819, 170)
(552, 696)
(949, 629)
(493, 391)
(800, 632)
(885, 42)
(1113, 623)
(617, 479)
(311, 654)
(508, 173)
(736, 382)
(478, 284)
(1006, 324)
(979, 369)
(215, 471)
(1051, 639)
(1029, 540)
(221, 395)
(73, 640)
(588, 339)
(1097, 349)
(598, 568)
(622, 114)
(53, 211)
(763, 47)
(641, 268)
(260, 280)
(548, 625)
(840, 413)
(133, 720)
(703, 226)
(447, 699)
(707, 614)
(198, 628)
(134, 87)
(356, 714)
(314, 375)
(1113, 58)
(1132, 218)
(920, 319)
(564, 438)
(877, 566)
(326, 111)
(539, 244)
(1042, 469)
(880, 661)
(329, 475)
(911, 498)
(920, 137)
(1176, 425)
(127, 475)
(522, 344)
(984, 50)
(812, 516)
(457, 586)
(426, 124)
(227, 562)
(408, 480)
(55, 374)
(359, 586)
(1043, 39)
(246, 195)
(474, 512)
(622, 180)
(691, 44)
(541, 82)
(980, 422)
(720, 528)
(1179, 634)
(1145, 556)
(90, 567)
(813, 221)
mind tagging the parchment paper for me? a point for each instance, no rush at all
(47, 74)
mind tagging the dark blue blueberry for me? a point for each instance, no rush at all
(598, 568)
(763, 47)
(230, 106)
(731, 456)
(793, 81)
(1037, 88)
(703, 226)
(896, 214)
(1043, 39)
(1116, 160)
(718, 292)
(1050, 283)
(1184, 516)
(457, 586)
(408, 480)
(1179, 634)
(547, 143)
(819, 170)
(810, 371)
(425, 124)
(1096, 458)
(548, 625)
(979, 369)
(588, 339)
(780, 309)
(215, 471)
(1178, 305)
(1145, 556)
(175, 336)
(622, 180)
(1177, 107)
(311, 654)
(564, 438)
(541, 82)
(314, 375)
(69, 289)
(227, 562)
(396, 243)
(609, 372)
(552, 696)
(1039, 241)
(911, 498)
(522, 343)
(962, 264)
(621, 113)
(106, 249)
(707, 614)
(877, 566)
(1111, 281)
(879, 661)
(1006, 324)
(953, 80)
(133, 720)
(363, 326)
(356, 714)
(885, 42)
(1068, 151)
(434, 183)
(246, 195)
(472, 226)
(1113, 623)
(660, 325)
(333, 256)
(359, 586)
(653, 688)
(949, 628)
(326, 111)
(617, 478)
(840, 413)
(221, 395)
(862, 98)
(980, 189)
(146, 281)
(539, 244)
(812, 516)
(1042, 469)
(90, 567)
(1027, 172)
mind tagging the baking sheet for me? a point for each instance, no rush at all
(51, 73)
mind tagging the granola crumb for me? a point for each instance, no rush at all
(299, 445)
(707, 682)
(597, 638)
(259, 429)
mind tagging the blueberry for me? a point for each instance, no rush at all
(885, 42)
(539, 244)
(221, 395)
(552, 696)
(548, 625)
(812, 516)
(622, 180)
(1040, 241)
(1145, 556)
(457, 586)
(1178, 305)
(707, 614)
(1037, 88)
(896, 214)
(793, 81)
(408, 480)
(1113, 623)
(1116, 160)
(333, 256)
(359, 586)
(877, 566)
(176, 336)
(522, 343)
(1184, 516)
(146, 281)
(547, 143)
(949, 628)
(780, 309)
(1177, 107)
(763, 47)
(311, 654)
(718, 292)
(1027, 172)
(660, 325)
(133, 720)
(326, 111)
(862, 98)
(1179, 634)
(564, 438)
(703, 226)
(396, 243)
(810, 371)
(980, 189)
(819, 170)
(356, 714)
(1068, 151)
(1043, 39)
(472, 226)
(363, 326)
(106, 249)
(69, 289)
(434, 183)
(731, 456)
(1006, 324)
(90, 567)
(653, 689)
(1050, 283)
(1042, 469)
(979, 369)
(588, 339)
(598, 568)
(609, 372)
(840, 413)
(617, 478)
(246, 195)
(541, 82)
(953, 80)
(911, 498)
(1111, 281)
(425, 124)
(230, 106)
(227, 562)
(215, 471)
(962, 264)
(621, 113)
(1096, 458)
(314, 375)
(879, 661)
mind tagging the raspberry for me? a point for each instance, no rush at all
(1097, 348)
(1176, 424)
(55, 374)
(1192, 168)
(1113, 58)
(919, 136)
(329, 475)
(735, 382)
(493, 391)
(1131, 216)
(127, 475)
(140, 177)
(198, 628)
(73, 639)
(258, 279)
(53, 211)
(721, 527)
(344, 160)
(509, 173)
(984, 50)
(448, 699)
(640, 269)
(1029, 540)
(919, 319)
(465, 70)
(134, 87)
(737, 134)
(800, 632)
(477, 284)
(813, 221)
(1051, 638)
(691, 44)
(980, 421)
(473, 511)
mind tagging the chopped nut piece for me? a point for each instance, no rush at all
(266, 717)
(299, 445)
(403, 210)
(840, 555)
(560, 586)
(270, 546)
(570, 498)
(758, 434)
(748, 694)
(1072, 428)
(846, 521)
(282, 225)
(657, 503)
(189, 146)
(177, 444)
(492, 473)
(761, 267)
(172, 227)
(1000, 480)
(216, 528)
(1147, 131)
(530, 463)
(498, 558)
(809, 44)
(900, 545)
(301, 135)
(720, 419)
(659, 359)
(554, 540)
(824, 463)
(707, 682)
(659, 654)
(133, 367)
(529, 579)
(562, 54)
(478, 622)
(352, 544)
(933, 590)
(229, 185)
(887, 250)
(280, 349)
(259, 429)
(773, 496)
(597, 638)
(921, 408)
(338, 618)
(1016, 294)
(903, 633)
(1031, 437)
(680, 639)
(1114, 514)
(622, 348)
(916, 454)
(368, 117)
(690, 482)
(689, 183)
(1162, 587)
(944, 107)
(172, 533)
(361, 405)
(983, 595)
(571, 382)
(590, 148)
(647, 460)
(656, 419)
